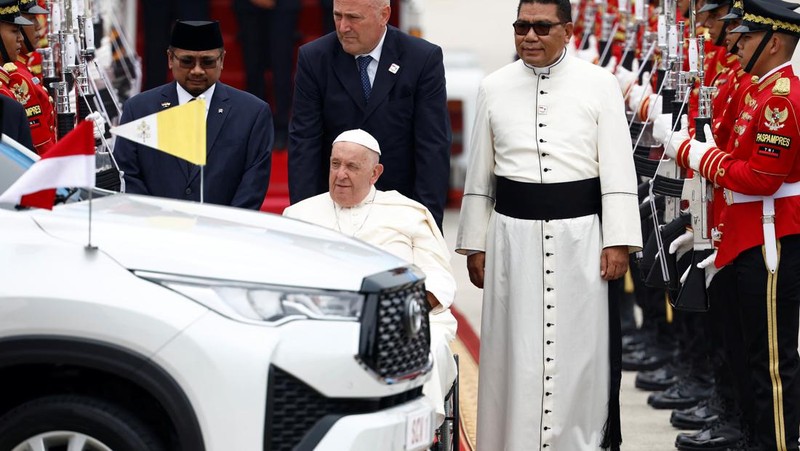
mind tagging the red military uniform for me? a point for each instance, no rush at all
(5, 80)
(762, 156)
(37, 102)
(33, 61)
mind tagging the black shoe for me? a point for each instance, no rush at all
(721, 436)
(649, 358)
(686, 393)
(635, 341)
(698, 417)
(662, 378)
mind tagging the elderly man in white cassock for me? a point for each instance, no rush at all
(396, 224)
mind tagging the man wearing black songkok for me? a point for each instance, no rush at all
(239, 131)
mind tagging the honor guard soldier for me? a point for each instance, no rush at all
(760, 227)
(32, 36)
(25, 87)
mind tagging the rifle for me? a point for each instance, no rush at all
(693, 296)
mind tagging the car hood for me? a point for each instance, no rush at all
(187, 238)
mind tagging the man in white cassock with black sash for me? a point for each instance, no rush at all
(549, 216)
(396, 224)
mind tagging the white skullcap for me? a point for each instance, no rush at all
(359, 136)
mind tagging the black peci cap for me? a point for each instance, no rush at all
(769, 15)
(196, 35)
(9, 13)
(31, 7)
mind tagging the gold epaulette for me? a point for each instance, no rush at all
(10, 67)
(781, 87)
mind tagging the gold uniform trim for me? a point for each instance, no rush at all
(772, 78)
(776, 24)
(774, 355)
(781, 87)
(13, 9)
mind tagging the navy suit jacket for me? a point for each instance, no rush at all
(406, 113)
(238, 138)
(14, 122)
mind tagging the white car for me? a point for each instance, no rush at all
(198, 327)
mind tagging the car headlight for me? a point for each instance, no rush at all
(260, 302)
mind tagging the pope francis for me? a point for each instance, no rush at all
(396, 224)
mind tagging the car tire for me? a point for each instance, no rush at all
(54, 420)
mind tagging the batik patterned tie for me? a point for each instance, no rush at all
(363, 62)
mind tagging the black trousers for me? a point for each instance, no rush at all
(725, 333)
(770, 311)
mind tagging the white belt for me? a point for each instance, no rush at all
(768, 218)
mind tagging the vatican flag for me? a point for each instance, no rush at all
(179, 131)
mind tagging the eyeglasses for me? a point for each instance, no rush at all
(189, 62)
(540, 28)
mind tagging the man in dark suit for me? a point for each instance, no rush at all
(398, 96)
(239, 129)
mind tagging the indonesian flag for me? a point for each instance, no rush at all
(69, 163)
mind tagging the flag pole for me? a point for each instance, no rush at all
(89, 246)
(202, 188)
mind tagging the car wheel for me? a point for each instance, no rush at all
(74, 422)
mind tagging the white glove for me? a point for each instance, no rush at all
(710, 267)
(625, 77)
(698, 149)
(612, 64)
(683, 244)
(589, 54)
(99, 124)
(638, 94)
(662, 132)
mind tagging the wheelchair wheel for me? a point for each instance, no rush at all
(447, 436)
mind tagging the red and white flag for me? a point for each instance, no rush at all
(69, 163)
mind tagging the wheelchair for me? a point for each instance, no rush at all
(446, 437)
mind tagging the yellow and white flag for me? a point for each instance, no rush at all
(179, 131)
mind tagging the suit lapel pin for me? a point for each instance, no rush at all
(165, 104)
(394, 68)
(219, 111)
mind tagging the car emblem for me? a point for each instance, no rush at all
(413, 317)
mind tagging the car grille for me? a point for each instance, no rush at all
(298, 416)
(387, 348)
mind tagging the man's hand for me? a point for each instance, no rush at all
(432, 301)
(613, 262)
(476, 264)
